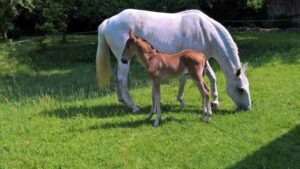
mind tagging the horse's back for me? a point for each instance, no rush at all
(168, 32)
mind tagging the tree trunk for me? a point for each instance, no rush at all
(4, 34)
(64, 38)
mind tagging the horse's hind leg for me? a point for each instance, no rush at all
(122, 87)
(213, 84)
(182, 82)
(118, 89)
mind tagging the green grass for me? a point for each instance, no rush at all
(52, 115)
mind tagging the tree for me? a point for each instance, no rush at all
(9, 10)
(54, 16)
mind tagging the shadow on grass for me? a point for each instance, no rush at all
(259, 48)
(137, 123)
(283, 152)
(164, 121)
(60, 84)
(113, 110)
(224, 112)
(56, 54)
(101, 111)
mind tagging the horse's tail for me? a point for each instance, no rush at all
(103, 68)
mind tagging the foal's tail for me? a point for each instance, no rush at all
(103, 68)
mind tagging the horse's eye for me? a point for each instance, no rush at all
(127, 46)
(241, 90)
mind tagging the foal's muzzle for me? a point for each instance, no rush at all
(124, 61)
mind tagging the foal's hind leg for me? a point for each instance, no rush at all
(213, 85)
(205, 98)
(182, 82)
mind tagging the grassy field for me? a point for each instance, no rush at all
(52, 115)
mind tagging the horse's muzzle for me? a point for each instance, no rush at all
(124, 61)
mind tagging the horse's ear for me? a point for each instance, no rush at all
(245, 67)
(238, 72)
(131, 35)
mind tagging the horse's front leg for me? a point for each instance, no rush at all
(156, 99)
(213, 84)
(122, 88)
(182, 82)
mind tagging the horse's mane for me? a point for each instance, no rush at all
(224, 34)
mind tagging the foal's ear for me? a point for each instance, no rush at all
(131, 35)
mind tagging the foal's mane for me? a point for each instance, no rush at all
(148, 43)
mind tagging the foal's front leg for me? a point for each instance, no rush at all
(153, 108)
(156, 99)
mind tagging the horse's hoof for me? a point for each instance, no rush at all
(149, 116)
(135, 110)
(121, 101)
(214, 106)
(182, 104)
(206, 118)
(156, 123)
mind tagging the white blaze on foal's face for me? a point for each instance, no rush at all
(238, 89)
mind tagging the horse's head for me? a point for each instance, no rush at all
(238, 89)
(131, 48)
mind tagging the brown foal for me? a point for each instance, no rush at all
(161, 65)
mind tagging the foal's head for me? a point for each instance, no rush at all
(135, 46)
(131, 48)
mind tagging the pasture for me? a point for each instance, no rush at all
(52, 114)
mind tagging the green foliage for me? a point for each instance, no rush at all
(256, 4)
(52, 114)
(56, 15)
(9, 10)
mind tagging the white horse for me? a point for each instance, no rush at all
(171, 33)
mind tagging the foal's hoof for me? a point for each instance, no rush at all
(135, 110)
(214, 106)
